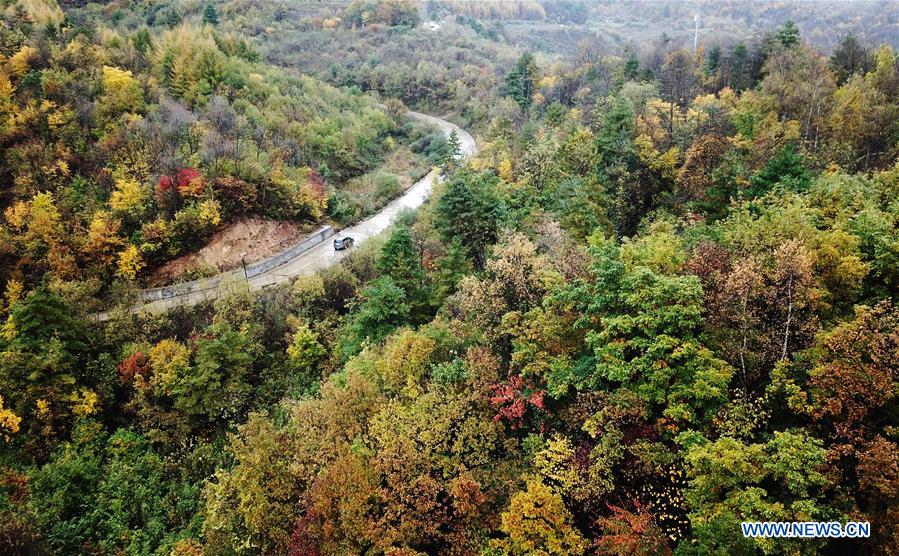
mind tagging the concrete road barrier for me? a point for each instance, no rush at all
(255, 269)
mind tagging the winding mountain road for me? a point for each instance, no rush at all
(322, 255)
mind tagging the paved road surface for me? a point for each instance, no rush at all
(323, 255)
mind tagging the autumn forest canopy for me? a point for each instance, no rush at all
(657, 302)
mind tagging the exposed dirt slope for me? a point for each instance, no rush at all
(256, 237)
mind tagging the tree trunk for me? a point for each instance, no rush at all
(789, 316)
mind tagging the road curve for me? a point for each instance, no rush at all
(322, 255)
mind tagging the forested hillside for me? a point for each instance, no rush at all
(125, 147)
(379, 47)
(658, 302)
(633, 23)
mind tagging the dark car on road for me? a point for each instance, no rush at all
(341, 243)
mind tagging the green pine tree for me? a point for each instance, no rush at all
(787, 168)
(176, 75)
(210, 15)
(455, 146)
(521, 81)
(382, 309)
(400, 260)
(788, 35)
(43, 317)
(631, 67)
(42, 354)
(471, 211)
(451, 268)
(737, 67)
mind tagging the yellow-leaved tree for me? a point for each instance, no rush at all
(20, 62)
(537, 522)
(44, 224)
(15, 290)
(121, 91)
(170, 361)
(103, 241)
(130, 262)
(40, 12)
(127, 195)
(9, 422)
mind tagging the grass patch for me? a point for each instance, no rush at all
(368, 193)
